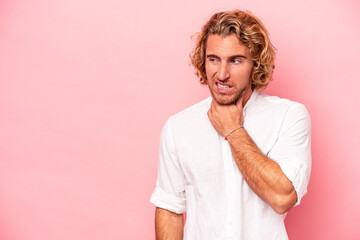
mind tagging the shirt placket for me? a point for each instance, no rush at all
(230, 185)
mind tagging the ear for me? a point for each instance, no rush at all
(203, 81)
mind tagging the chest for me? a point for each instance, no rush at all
(206, 157)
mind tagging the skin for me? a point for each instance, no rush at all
(263, 175)
(229, 63)
(168, 225)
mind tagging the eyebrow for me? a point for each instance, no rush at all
(231, 57)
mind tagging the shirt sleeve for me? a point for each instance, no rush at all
(169, 192)
(292, 150)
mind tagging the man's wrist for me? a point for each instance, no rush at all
(232, 132)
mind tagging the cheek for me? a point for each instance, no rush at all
(246, 72)
(243, 77)
(207, 69)
(209, 72)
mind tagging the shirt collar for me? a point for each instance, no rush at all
(251, 99)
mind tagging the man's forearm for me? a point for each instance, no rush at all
(168, 225)
(263, 175)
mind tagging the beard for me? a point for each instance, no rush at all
(231, 100)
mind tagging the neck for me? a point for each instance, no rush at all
(246, 97)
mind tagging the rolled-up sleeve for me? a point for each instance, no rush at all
(292, 150)
(169, 192)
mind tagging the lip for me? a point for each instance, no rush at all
(221, 90)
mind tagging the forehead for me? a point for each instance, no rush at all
(226, 46)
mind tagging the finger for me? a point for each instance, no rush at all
(211, 107)
(210, 114)
(210, 117)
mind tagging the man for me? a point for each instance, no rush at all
(238, 161)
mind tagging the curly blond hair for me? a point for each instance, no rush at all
(251, 32)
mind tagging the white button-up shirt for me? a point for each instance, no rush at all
(197, 173)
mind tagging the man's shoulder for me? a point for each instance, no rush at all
(271, 103)
(190, 120)
(193, 112)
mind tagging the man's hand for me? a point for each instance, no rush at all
(226, 118)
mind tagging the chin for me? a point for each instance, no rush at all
(225, 100)
(228, 99)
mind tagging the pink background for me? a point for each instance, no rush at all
(86, 85)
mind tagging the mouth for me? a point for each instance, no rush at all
(223, 88)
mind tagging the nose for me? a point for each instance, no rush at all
(223, 73)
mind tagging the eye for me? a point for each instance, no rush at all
(213, 60)
(236, 60)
